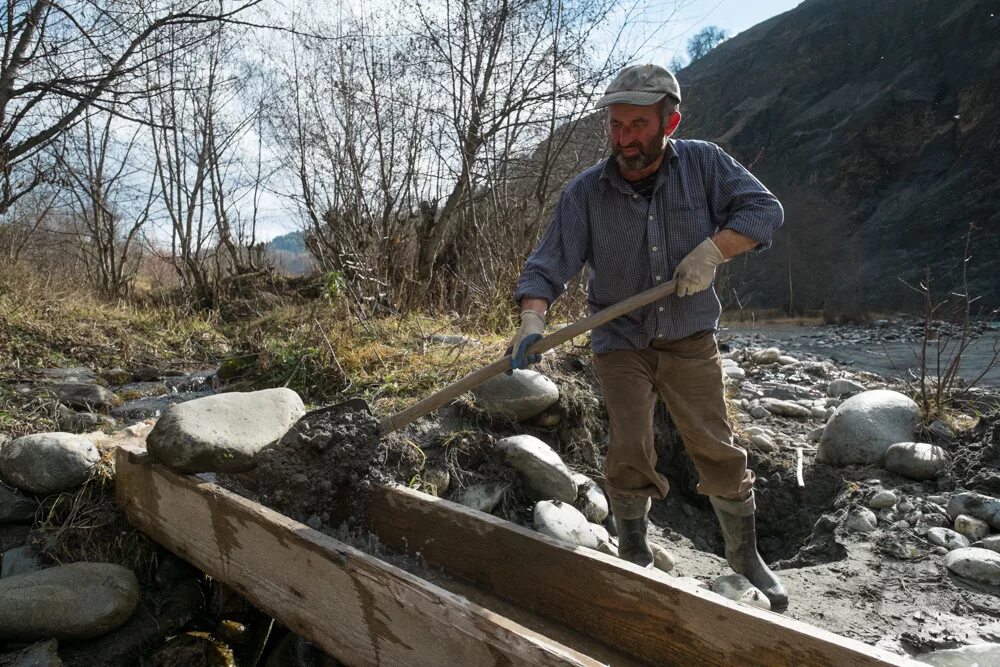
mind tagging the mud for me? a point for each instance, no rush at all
(321, 471)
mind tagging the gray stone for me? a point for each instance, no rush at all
(762, 442)
(947, 538)
(768, 356)
(544, 474)
(916, 460)
(971, 527)
(982, 565)
(42, 654)
(15, 506)
(590, 500)
(882, 499)
(864, 426)
(223, 433)
(759, 412)
(518, 396)
(787, 392)
(785, 408)
(46, 463)
(663, 560)
(75, 601)
(974, 655)
(738, 588)
(975, 504)
(70, 421)
(77, 374)
(941, 430)
(86, 396)
(438, 479)
(13, 535)
(844, 388)
(992, 543)
(116, 376)
(815, 435)
(861, 520)
(787, 360)
(564, 522)
(482, 497)
(19, 560)
(734, 372)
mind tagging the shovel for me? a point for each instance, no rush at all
(476, 378)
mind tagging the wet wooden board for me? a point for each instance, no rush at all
(357, 608)
(643, 612)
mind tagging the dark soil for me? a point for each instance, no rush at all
(975, 462)
(320, 473)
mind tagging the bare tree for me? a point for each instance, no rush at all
(111, 197)
(61, 59)
(499, 66)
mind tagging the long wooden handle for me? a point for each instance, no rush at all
(476, 378)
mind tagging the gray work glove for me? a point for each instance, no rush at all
(697, 270)
(532, 325)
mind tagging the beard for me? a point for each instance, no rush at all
(647, 155)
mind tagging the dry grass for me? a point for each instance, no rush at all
(87, 525)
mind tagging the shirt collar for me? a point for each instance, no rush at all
(611, 176)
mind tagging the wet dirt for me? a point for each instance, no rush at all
(321, 471)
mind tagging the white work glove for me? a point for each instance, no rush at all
(532, 325)
(697, 271)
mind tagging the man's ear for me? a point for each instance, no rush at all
(672, 122)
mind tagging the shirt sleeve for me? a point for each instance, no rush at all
(742, 202)
(560, 254)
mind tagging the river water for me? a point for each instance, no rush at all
(881, 350)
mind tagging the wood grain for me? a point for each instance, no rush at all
(644, 613)
(357, 608)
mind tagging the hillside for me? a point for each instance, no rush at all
(873, 123)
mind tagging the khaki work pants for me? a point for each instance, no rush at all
(687, 374)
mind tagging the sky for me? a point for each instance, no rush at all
(663, 26)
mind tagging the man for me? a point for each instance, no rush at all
(657, 209)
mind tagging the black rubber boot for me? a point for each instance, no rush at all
(740, 532)
(630, 520)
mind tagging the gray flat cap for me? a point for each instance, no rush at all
(641, 85)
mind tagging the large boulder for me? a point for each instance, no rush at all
(46, 463)
(75, 601)
(916, 460)
(518, 396)
(864, 426)
(544, 474)
(223, 433)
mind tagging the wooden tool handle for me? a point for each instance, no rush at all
(476, 378)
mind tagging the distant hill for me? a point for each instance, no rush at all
(290, 254)
(292, 242)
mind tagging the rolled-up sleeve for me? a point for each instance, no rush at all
(560, 254)
(742, 202)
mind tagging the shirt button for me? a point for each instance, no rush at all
(661, 309)
(659, 277)
(654, 248)
(650, 218)
(635, 196)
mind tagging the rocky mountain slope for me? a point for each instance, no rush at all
(873, 122)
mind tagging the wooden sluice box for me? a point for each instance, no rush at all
(495, 594)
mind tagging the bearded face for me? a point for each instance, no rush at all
(639, 154)
(638, 135)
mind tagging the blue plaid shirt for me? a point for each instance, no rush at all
(630, 244)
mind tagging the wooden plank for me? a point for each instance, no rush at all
(354, 606)
(645, 613)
